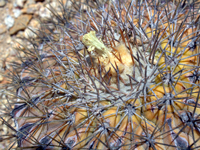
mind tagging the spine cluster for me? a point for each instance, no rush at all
(118, 75)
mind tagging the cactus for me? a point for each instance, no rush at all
(117, 75)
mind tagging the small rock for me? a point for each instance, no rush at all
(9, 21)
(20, 3)
(54, 5)
(3, 28)
(35, 23)
(2, 3)
(20, 23)
(17, 12)
(44, 13)
(32, 31)
(32, 8)
(20, 34)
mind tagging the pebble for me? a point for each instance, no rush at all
(30, 33)
(2, 3)
(34, 25)
(32, 8)
(9, 21)
(44, 13)
(19, 3)
(17, 12)
(20, 23)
